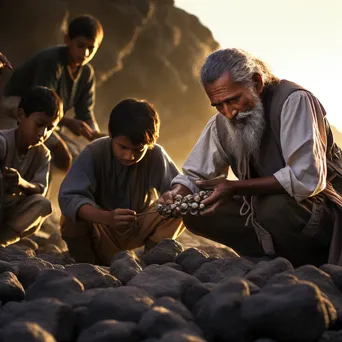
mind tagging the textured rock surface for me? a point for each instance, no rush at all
(125, 266)
(26, 331)
(231, 299)
(151, 49)
(10, 288)
(166, 251)
(110, 330)
(92, 276)
(160, 281)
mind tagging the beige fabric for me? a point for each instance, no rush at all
(23, 215)
(305, 151)
(33, 166)
(99, 243)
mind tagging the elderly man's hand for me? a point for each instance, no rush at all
(4, 62)
(169, 196)
(223, 192)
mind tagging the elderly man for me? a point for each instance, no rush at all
(275, 136)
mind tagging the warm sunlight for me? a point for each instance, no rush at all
(300, 39)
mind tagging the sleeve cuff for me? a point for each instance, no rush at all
(299, 192)
(184, 180)
(73, 209)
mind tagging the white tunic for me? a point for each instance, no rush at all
(303, 143)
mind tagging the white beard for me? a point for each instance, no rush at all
(245, 134)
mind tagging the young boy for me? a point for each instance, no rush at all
(112, 180)
(66, 70)
(25, 164)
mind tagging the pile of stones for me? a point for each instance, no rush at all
(168, 294)
(184, 204)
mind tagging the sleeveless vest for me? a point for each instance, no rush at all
(271, 158)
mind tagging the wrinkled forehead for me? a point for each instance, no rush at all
(224, 87)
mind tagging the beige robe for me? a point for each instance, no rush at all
(23, 214)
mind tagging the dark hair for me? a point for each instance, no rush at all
(87, 26)
(41, 99)
(136, 120)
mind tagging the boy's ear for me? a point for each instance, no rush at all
(21, 115)
(99, 42)
(66, 39)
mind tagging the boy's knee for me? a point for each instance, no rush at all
(63, 160)
(78, 229)
(43, 204)
(62, 157)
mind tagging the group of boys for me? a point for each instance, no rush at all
(286, 201)
(113, 178)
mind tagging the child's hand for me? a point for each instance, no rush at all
(4, 62)
(122, 218)
(79, 127)
(12, 177)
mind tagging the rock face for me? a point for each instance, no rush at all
(151, 49)
(185, 296)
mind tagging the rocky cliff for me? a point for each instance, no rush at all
(151, 50)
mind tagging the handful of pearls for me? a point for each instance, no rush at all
(188, 204)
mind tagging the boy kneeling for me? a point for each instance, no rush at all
(25, 164)
(112, 180)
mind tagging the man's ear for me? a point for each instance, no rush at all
(258, 82)
(21, 115)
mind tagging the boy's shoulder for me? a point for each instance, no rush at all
(43, 151)
(53, 54)
(7, 142)
(88, 71)
(98, 146)
(3, 143)
(157, 150)
(7, 137)
(57, 51)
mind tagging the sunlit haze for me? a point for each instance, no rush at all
(300, 39)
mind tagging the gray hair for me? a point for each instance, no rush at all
(239, 63)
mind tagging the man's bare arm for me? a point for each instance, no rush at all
(257, 186)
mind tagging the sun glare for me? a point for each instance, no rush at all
(300, 40)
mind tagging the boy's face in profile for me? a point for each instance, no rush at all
(36, 128)
(81, 49)
(127, 153)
